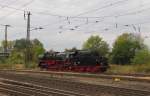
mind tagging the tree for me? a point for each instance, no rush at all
(142, 57)
(96, 44)
(38, 49)
(1, 49)
(10, 45)
(17, 55)
(20, 44)
(125, 47)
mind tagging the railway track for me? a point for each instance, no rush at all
(47, 85)
(129, 77)
(16, 88)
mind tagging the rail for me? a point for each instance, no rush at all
(129, 77)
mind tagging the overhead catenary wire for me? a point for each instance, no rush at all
(136, 28)
(103, 7)
(44, 13)
(111, 16)
(124, 14)
(83, 13)
(9, 3)
(47, 13)
(16, 9)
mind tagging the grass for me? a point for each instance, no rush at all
(17, 66)
(125, 69)
(12, 66)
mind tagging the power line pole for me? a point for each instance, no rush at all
(28, 43)
(28, 54)
(6, 42)
(28, 26)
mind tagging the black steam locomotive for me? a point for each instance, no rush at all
(75, 61)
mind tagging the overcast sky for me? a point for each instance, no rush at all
(68, 23)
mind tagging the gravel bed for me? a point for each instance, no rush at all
(97, 81)
(1, 94)
(80, 85)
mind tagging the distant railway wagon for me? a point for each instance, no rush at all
(75, 61)
(4, 54)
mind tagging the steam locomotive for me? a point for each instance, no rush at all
(75, 61)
